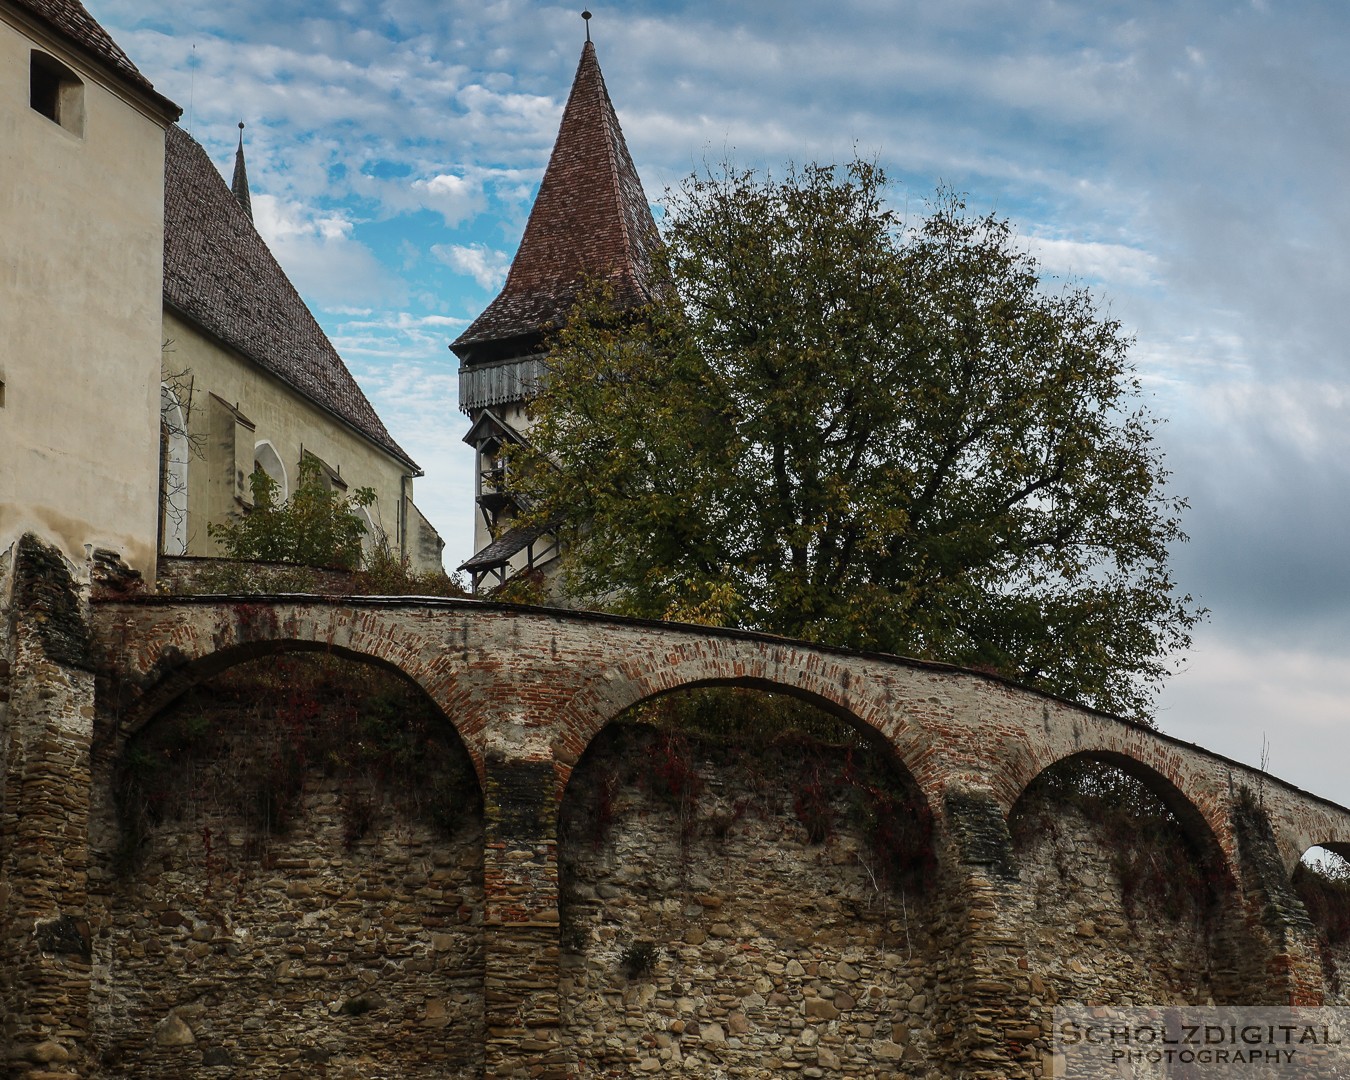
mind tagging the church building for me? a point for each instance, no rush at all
(155, 353)
(590, 222)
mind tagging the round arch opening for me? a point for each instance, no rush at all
(305, 819)
(1321, 880)
(723, 842)
(1130, 897)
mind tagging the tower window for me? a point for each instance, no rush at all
(56, 92)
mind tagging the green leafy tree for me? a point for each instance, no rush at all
(316, 526)
(846, 430)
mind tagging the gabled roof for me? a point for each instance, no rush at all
(70, 20)
(219, 274)
(491, 426)
(590, 219)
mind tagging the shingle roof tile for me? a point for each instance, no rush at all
(590, 219)
(219, 273)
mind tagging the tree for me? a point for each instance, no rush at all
(316, 526)
(838, 428)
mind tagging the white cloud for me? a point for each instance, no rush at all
(1232, 696)
(455, 198)
(316, 249)
(1095, 261)
(485, 265)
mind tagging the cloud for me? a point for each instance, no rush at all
(1187, 160)
(486, 266)
(316, 249)
(453, 197)
(1094, 261)
(1239, 696)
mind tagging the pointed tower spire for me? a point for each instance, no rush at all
(239, 185)
(590, 219)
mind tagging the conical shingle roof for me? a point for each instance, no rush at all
(590, 220)
(239, 183)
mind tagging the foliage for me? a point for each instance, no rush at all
(316, 526)
(382, 573)
(639, 959)
(839, 428)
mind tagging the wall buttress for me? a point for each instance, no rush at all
(988, 1020)
(44, 826)
(520, 878)
(1292, 972)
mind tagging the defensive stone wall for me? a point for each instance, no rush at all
(453, 852)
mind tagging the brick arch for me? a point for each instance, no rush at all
(1293, 847)
(814, 676)
(176, 662)
(1205, 833)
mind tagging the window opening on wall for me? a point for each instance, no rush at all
(175, 449)
(266, 458)
(56, 92)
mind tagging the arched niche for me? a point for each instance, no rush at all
(287, 864)
(1129, 899)
(1321, 880)
(266, 458)
(723, 843)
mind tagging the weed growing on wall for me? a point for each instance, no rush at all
(245, 746)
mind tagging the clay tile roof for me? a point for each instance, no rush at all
(70, 19)
(220, 275)
(590, 219)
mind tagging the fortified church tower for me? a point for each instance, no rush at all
(590, 221)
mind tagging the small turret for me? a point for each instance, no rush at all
(590, 221)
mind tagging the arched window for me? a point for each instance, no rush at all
(175, 449)
(374, 537)
(266, 458)
(56, 92)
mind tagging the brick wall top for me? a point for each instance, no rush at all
(536, 684)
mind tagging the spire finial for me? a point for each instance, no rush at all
(239, 185)
(587, 16)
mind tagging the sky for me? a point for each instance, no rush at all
(1188, 161)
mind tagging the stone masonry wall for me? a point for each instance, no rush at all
(333, 934)
(1094, 938)
(298, 880)
(706, 931)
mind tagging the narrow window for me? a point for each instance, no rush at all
(56, 92)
